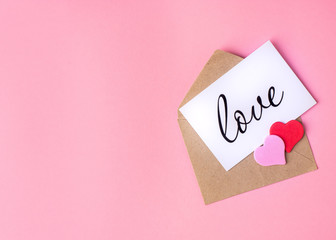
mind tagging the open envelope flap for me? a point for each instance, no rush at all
(215, 182)
(219, 63)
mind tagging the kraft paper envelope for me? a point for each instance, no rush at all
(215, 182)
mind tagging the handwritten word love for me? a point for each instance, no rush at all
(238, 115)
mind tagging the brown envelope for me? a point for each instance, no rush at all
(215, 182)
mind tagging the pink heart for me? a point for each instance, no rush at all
(272, 152)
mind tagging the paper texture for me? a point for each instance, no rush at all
(215, 182)
(234, 114)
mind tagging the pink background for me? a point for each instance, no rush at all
(90, 147)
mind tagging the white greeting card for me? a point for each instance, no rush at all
(234, 114)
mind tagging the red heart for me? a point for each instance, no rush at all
(290, 133)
